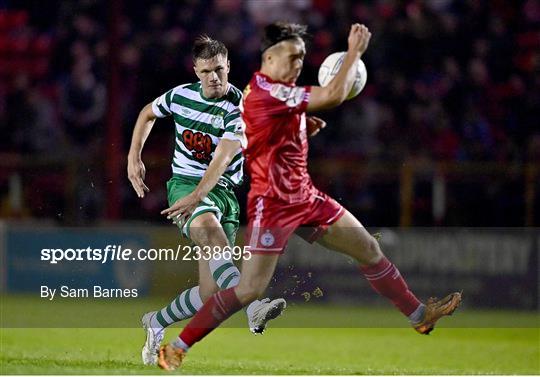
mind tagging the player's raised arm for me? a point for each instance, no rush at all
(337, 90)
(135, 167)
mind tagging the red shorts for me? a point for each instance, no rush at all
(272, 221)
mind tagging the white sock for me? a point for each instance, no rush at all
(224, 272)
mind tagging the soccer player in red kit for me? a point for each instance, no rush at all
(282, 196)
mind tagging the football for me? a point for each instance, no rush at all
(330, 67)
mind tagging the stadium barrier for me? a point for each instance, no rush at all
(410, 193)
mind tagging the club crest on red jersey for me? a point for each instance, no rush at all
(267, 239)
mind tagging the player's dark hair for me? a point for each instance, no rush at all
(281, 31)
(205, 47)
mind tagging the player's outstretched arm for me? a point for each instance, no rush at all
(135, 167)
(182, 209)
(337, 90)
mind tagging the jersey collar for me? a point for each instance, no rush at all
(214, 99)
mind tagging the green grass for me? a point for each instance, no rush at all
(282, 350)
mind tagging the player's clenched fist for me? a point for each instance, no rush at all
(359, 37)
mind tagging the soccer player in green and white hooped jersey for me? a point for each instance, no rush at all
(207, 165)
(200, 124)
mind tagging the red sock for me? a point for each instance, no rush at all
(386, 280)
(216, 310)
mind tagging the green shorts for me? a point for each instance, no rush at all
(221, 201)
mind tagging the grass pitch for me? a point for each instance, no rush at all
(285, 350)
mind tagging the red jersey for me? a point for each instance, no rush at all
(277, 146)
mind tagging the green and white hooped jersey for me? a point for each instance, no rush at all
(200, 124)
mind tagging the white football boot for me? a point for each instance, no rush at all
(154, 336)
(264, 312)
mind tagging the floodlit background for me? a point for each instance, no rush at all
(440, 153)
(445, 133)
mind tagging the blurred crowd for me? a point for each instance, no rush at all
(448, 80)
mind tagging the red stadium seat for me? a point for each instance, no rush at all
(41, 45)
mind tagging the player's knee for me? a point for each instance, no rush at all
(372, 253)
(205, 220)
(206, 230)
(369, 252)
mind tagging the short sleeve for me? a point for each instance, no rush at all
(234, 126)
(289, 99)
(161, 106)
